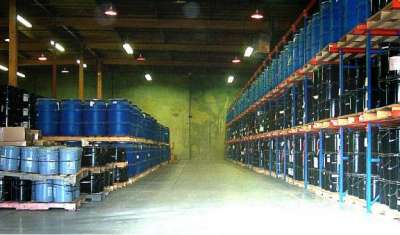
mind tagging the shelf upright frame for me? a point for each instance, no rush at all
(368, 169)
(321, 156)
(341, 129)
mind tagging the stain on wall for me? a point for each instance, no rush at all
(171, 98)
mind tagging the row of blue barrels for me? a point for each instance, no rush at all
(115, 117)
(14, 189)
(41, 160)
(142, 157)
(334, 19)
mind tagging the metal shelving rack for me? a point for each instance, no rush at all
(384, 26)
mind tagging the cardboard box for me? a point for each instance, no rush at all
(11, 134)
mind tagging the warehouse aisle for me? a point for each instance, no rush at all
(197, 197)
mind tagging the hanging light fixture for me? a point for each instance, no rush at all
(257, 15)
(64, 70)
(42, 57)
(110, 11)
(236, 60)
(140, 58)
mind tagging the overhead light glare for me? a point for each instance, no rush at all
(230, 79)
(110, 11)
(42, 57)
(85, 66)
(23, 21)
(248, 51)
(52, 42)
(19, 74)
(127, 47)
(257, 15)
(78, 61)
(4, 68)
(59, 47)
(7, 40)
(236, 60)
(148, 77)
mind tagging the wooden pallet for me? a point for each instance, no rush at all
(35, 206)
(87, 139)
(72, 179)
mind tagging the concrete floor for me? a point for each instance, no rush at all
(196, 197)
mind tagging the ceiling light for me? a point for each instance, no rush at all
(42, 57)
(257, 15)
(64, 70)
(110, 11)
(140, 58)
(248, 51)
(4, 68)
(127, 47)
(7, 40)
(78, 61)
(19, 74)
(230, 79)
(52, 42)
(148, 77)
(59, 47)
(85, 66)
(23, 21)
(236, 60)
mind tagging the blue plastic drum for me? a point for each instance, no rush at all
(95, 118)
(119, 118)
(48, 160)
(47, 116)
(9, 158)
(30, 159)
(71, 117)
(43, 191)
(70, 160)
(325, 13)
(62, 191)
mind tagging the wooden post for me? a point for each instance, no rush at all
(99, 80)
(81, 80)
(12, 45)
(54, 81)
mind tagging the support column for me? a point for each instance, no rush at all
(81, 81)
(99, 80)
(12, 45)
(54, 81)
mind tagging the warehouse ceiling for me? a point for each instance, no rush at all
(174, 33)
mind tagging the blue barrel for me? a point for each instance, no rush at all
(71, 117)
(131, 157)
(9, 158)
(30, 159)
(43, 191)
(301, 44)
(315, 34)
(308, 37)
(349, 15)
(295, 51)
(119, 117)
(62, 191)
(47, 116)
(70, 160)
(336, 20)
(48, 160)
(363, 11)
(325, 12)
(95, 118)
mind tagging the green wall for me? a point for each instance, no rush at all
(192, 106)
